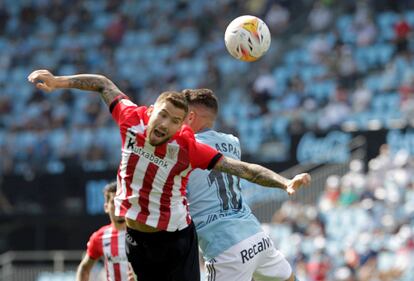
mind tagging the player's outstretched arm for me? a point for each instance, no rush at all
(84, 268)
(261, 175)
(46, 81)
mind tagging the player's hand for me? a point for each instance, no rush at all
(297, 182)
(131, 274)
(43, 80)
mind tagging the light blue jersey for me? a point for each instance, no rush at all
(221, 216)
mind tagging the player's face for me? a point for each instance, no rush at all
(110, 210)
(164, 122)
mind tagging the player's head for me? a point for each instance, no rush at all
(203, 108)
(166, 116)
(109, 206)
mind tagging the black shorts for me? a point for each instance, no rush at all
(164, 256)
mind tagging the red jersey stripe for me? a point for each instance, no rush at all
(165, 206)
(114, 242)
(129, 175)
(149, 177)
(117, 272)
(143, 199)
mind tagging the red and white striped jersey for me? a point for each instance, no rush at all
(110, 243)
(152, 179)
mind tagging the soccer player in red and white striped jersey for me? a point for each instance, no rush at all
(108, 242)
(158, 154)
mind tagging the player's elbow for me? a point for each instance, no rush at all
(83, 273)
(104, 83)
(85, 265)
(104, 78)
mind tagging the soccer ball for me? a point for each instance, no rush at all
(247, 38)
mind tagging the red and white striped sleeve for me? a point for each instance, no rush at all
(94, 246)
(201, 155)
(122, 108)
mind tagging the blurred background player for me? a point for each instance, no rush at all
(158, 154)
(233, 244)
(109, 242)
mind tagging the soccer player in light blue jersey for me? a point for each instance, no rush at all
(232, 242)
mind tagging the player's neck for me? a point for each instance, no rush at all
(204, 128)
(119, 226)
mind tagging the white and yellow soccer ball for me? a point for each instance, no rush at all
(247, 38)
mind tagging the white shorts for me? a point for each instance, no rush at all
(253, 257)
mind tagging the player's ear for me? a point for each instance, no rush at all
(106, 208)
(190, 117)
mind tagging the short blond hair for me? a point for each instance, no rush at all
(204, 97)
(177, 99)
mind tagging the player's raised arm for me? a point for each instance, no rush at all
(46, 81)
(261, 175)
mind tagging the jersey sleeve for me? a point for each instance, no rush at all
(122, 108)
(94, 246)
(202, 155)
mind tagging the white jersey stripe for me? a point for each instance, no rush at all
(136, 186)
(126, 155)
(124, 271)
(122, 191)
(106, 245)
(177, 218)
(155, 195)
(121, 249)
(108, 277)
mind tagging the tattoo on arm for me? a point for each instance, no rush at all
(97, 83)
(251, 172)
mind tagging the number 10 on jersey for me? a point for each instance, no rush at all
(228, 189)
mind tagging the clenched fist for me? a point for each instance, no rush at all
(297, 182)
(43, 80)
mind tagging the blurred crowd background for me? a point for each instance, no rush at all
(361, 228)
(343, 66)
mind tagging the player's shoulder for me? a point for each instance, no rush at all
(135, 115)
(98, 233)
(215, 135)
(186, 133)
(141, 111)
(127, 102)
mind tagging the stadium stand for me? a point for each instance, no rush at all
(361, 228)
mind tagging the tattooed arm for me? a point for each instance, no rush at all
(46, 81)
(261, 175)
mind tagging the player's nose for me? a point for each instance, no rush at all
(163, 127)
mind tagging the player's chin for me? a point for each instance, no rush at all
(154, 140)
(120, 220)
